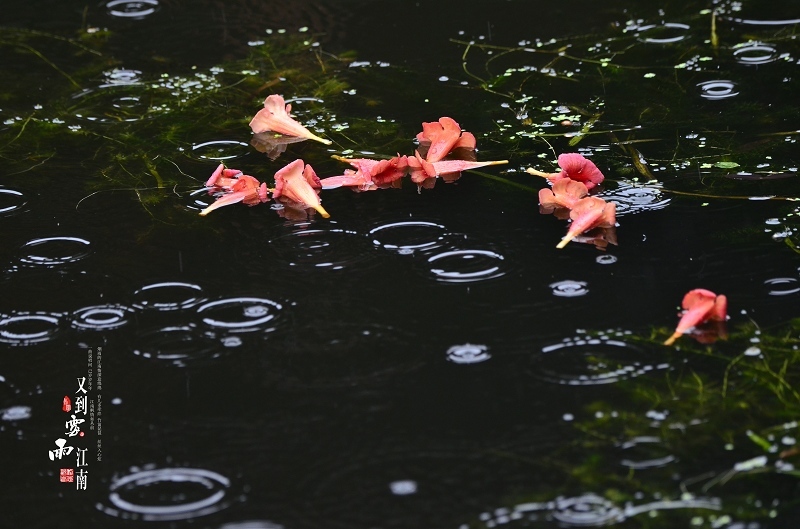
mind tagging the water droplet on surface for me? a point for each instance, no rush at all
(636, 198)
(715, 90)
(168, 296)
(466, 266)
(588, 510)
(220, 150)
(178, 345)
(132, 9)
(408, 236)
(755, 53)
(54, 251)
(752, 351)
(25, 328)
(569, 288)
(665, 33)
(325, 249)
(100, 317)
(403, 487)
(15, 413)
(167, 494)
(589, 361)
(244, 314)
(782, 286)
(606, 259)
(11, 201)
(468, 354)
(646, 446)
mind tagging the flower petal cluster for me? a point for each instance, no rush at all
(447, 152)
(236, 187)
(571, 194)
(296, 183)
(575, 167)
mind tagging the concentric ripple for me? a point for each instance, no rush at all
(101, 317)
(132, 9)
(54, 251)
(242, 314)
(112, 102)
(466, 266)
(588, 361)
(179, 345)
(167, 494)
(569, 288)
(408, 237)
(755, 53)
(168, 296)
(716, 90)
(322, 249)
(665, 33)
(636, 198)
(25, 328)
(220, 150)
(468, 354)
(782, 286)
(641, 453)
(11, 201)
(587, 510)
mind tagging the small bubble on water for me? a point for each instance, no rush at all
(752, 351)
(403, 487)
(606, 259)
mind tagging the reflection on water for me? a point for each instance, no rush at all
(324, 358)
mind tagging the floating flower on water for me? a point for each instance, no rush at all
(370, 174)
(237, 187)
(589, 213)
(700, 305)
(441, 137)
(299, 182)
(275, 117)
(565, 194)
(575, 167)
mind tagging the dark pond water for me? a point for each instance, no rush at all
(423, 358)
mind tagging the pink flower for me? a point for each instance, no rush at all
(237, 187)
(370, 174)
(565, 194)
(275, 117)
(575, 167)
(700, 305)
(299, 182)
(442, 137)
(589, 213)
